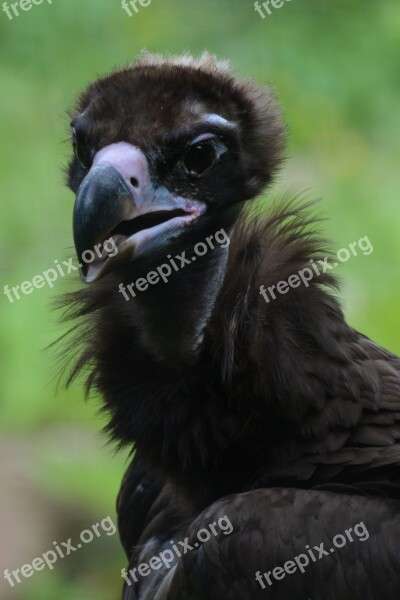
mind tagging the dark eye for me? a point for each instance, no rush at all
(200, 157)
(80, 151)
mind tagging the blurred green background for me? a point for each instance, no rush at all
(335, 66)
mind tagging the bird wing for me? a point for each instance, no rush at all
(355, 434)
(274, 526)
(283, 544)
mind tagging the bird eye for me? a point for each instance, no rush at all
(200, 157)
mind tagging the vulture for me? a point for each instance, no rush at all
(264, 432)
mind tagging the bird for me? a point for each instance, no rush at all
(264, 433)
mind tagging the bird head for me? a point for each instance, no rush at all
(163, 148)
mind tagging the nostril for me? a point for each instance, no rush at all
(134, 182)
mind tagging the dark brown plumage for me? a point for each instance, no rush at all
(278, 415)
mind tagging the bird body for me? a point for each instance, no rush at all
(275, 416)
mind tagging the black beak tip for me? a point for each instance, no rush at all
(101, 203)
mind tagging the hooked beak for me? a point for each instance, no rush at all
(119, 216)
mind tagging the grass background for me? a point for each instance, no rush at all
(335, 66)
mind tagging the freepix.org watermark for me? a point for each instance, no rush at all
(301, 561)
(167, 558)
(307, 274)
(268, 6)
(60, 550)
(176, 263)
(133, 6)
(63, 269)
(13, 9)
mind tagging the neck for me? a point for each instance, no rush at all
(173, 313)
